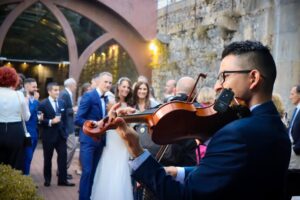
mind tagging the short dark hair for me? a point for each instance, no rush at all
(297, 88)
(29, 80)
(51, 85)
(258, 56)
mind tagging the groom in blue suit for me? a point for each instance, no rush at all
(247, 158)
(92, 107)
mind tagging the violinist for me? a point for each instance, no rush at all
(246, 159)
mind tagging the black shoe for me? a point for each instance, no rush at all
(66, 183)
(69, 176)
(47, 184)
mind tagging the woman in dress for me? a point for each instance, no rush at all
(142, 102)
(112, 178)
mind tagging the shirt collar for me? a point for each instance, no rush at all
(254, 106)
(31, 98)
(99, 92)
(51, 99)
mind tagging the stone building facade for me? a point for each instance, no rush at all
(195, 32)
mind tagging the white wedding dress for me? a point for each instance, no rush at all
(112, 179)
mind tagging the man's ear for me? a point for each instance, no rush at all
(254, 78)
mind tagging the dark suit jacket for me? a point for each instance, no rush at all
(181, 153)
(90, 108)
(295, 132)
(246, 159)
(51, 133)
(65, 96)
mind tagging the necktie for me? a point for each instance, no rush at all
(56, 106)
(105, 98)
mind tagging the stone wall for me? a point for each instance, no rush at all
(195, 32)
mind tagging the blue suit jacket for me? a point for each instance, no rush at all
(31, 124)
(90, 108)
(65, 96)
(246, 159)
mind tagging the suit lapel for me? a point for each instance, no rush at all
(50, 107)
(295, 123)
(97, 99)
(69, 98)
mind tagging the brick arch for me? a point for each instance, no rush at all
(91, 49)
(117, 29)
(12, 16)
(15, 13)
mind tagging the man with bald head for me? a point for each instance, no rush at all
(181, 153)
(183, 88)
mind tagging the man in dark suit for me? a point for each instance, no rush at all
(247, 158)
(67, 96)
(92, 107)
(54, 135)
(183, 152)
(294, 133)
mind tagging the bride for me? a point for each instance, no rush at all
(112, 179)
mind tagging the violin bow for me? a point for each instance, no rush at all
(191, 94)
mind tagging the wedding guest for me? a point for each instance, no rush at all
(67, 95)
(54, 135)
(30, 86)
(170, 89)
(206, 96)
(294, 134)
(277, 100)
(13, 108)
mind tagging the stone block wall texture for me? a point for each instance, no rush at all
(196, 31)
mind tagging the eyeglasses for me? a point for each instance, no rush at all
(221, 77)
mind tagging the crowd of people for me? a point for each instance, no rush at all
(249, 158)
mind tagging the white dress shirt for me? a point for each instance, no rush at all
(102, 103)
(10, 106)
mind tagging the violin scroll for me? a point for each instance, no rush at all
(92, 129)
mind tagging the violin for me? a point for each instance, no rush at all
(178, 120)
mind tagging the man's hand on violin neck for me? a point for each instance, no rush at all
(116, 110)
(125, 111)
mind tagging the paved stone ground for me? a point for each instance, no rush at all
(54, 192)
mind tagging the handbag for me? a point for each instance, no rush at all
(27, 138)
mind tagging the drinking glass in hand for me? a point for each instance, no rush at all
(58, 116)
(40, 116)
